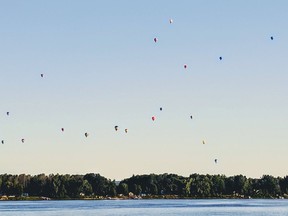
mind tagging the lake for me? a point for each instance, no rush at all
(195, 207)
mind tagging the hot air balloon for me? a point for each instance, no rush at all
(22, 140)
(126, 130)
(7, 113)
(2, 141)
(160, 108)
(42, 75)
(215, 160)
(62, 129)
(86, 134)
(153, 118)
(155, 39)
(116, 128)
(191, 117)
(203, 142)
(220, 58)
(185, 66)
(272, 38)
(170, 21)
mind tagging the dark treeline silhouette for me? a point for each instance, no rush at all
(158, 186)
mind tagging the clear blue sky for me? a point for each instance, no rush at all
(102, 68)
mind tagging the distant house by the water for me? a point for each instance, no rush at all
(4, 197)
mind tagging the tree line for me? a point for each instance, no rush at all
(94, 185)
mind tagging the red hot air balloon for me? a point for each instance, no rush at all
(153, 118)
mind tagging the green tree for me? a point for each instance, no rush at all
(269, 185)
(283, 182)
(217, 185)
(200, 186)
(240, 184)
(153, 189)
(86, 188)
(100, 185)
(123, 189)
(73, 186)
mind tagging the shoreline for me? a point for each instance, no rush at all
(154, 197)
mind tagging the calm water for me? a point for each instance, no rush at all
(145, 207)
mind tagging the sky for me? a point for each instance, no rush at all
(102, 68)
